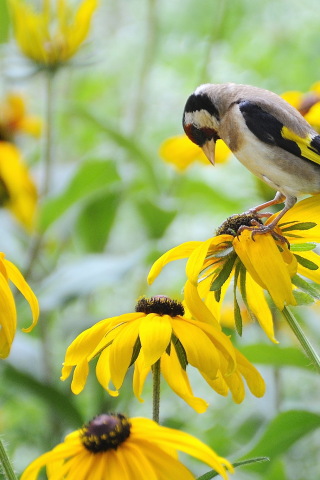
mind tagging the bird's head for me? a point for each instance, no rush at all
(201, 120)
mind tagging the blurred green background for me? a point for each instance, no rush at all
(115, 206)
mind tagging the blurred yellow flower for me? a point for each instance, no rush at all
(14, 119)
(8, 314)
(160, 331)
(17, 190)
(114, 447)
(308, 104)
(53, 34)
(181, 152)
(258, 264)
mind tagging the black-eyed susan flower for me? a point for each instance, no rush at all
(181, 152)
(52, 34)
(159, 330)
(17, 190)
(257, 264)
(307, 103)
(14, 118)
(114, 447)
(8, 314)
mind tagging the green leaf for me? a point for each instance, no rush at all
(282, 432)
(62, 404)
(95, 221)
(136, 351)
(276, 356)
(224, 273)
(242, 463)
(305, 286)
(302, 247)
(4, 21)
(155, 218)
(217, 295)
(181, 353)
(237, 312)
(303, 298)
(306, 263)
(300, 226)
(90, 177)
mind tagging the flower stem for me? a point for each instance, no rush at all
(6, 464)
(156, 391)
(304, 342)
(48, 133)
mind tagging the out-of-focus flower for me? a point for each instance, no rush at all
(114, 447)
(159, 330)
(258, 264)
(8, 314)
(53, 34)
(307, 103)
(181, 152)
(17, 190)
(15, 120)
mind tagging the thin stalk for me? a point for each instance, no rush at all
(6, 464)
(304, 342)
(156, 391)
(47, 154)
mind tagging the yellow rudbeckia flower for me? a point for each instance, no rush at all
(181, 152)
(53, 34)
(17, 190)
(257, 264)
(113, 447)
(14, 119)
(158, 330)
(308, 104)
(8, 314)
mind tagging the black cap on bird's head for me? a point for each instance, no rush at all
(200, 121)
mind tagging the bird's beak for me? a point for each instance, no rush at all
(209, 150)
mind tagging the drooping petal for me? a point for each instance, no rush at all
(140, 467)
(8, 318)
(121, 352)
(253, 378)
(259, 307)
(196, 260)
(103, 372)
(196, 306)
(211, 302)
(218, 384)
(80, 375)
(18, 280)
(178, 381)
(266, 263)
(182, 251)
(206, 358)
(139, 376)
(155, 334)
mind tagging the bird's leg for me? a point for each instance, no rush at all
(279, 198)
(290, 201)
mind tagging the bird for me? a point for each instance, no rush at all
(265, 133)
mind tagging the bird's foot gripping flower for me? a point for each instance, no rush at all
(258, 264)
(159, 330)
(113, 447)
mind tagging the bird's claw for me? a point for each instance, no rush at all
(253, 211)
(261, 230)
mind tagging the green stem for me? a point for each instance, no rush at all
(6, 464)
(48, 133)
(304, 342)
(156, 391)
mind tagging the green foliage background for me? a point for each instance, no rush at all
(114, 207)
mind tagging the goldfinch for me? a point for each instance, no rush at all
(265, 133)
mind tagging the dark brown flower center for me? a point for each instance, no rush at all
(105, 432)
(232, 224)
(160, 305)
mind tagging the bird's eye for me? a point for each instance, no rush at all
(200, 136)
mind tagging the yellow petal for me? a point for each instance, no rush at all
(80, 375)
(121, 352)
(139, 377)
(181, 152)
(182, 251)
(8, 318)
(103, 372)
(217, 384)
(293, 97)
(140, 467)
(155, 335)
(201, 352)
(259, 307)
(211, 302)
(266, 263)
(313, 115)
(253, 378)
(18, 280)
(222, 152)
(196, 306)
(178, 381)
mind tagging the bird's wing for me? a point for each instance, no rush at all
(270, 130)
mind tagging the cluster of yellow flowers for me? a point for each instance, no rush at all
(161, 335)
